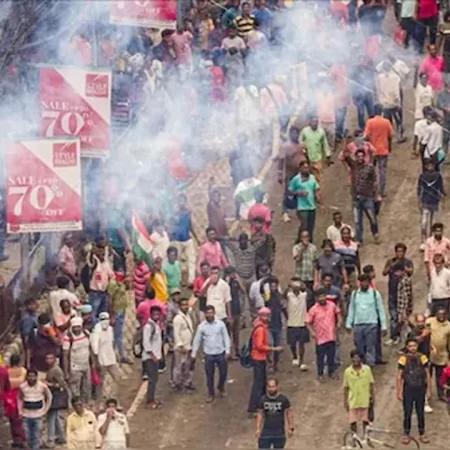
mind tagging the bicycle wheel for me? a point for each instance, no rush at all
(351, 441)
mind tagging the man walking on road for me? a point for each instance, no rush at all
(379, 131)
(260, 354)
(366, 310)
(183, 334)
(274, 411)
(364, 193)
(323, 321)
(413, 386)
(306, 188)
(317, 149)
(212, 334)
(358, 391)
(152, 353)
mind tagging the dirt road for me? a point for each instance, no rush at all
(186, 422)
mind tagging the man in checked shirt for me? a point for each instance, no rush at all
(404, 298)
(364, 193)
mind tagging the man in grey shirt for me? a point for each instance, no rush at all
(213, 335)
(152, 353)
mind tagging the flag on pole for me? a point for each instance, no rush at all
(142, 243)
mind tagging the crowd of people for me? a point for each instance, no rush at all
(194, 303)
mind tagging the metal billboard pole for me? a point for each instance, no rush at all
(180, 13)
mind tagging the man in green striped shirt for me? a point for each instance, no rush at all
(315, 140)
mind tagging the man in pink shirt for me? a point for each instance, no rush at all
(101, 275)
(323, 320)
(66, 260)
(437, 243)
(181, 42)
(143, 309)
(211, 251)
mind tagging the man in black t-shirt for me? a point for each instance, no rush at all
(270, 422)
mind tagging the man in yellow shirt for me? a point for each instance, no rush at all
(81, 430)
(439, 327)
(158, 280)
(358, 391)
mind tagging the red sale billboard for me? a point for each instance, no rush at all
(144, 13)
(77, 102)
(43, 185)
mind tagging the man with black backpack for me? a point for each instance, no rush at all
(413, 387)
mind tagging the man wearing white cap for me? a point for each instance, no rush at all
(260, 353)
(76, 359)
(102, 344)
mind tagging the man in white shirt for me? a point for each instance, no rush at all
(334, 230)
(424, 96)
(113, 427)
(218, 294)
(297, 331)
(183, 334)
(102, 344)
(432, 139)
(63, 293)
(152, 353)
(389, 96)
(420, 128)
(439, 284)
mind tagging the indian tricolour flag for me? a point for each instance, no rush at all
(142, 243)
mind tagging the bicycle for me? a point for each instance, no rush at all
(353, 440)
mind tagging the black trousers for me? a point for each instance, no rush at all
(265, 443)
(258, 386)
(326, 352)
(151, 370)
(437, 375)
(414, 399)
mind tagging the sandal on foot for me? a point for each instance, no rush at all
(405, 440)
(424, 439)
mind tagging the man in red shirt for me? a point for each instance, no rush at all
(260, 209)
(427, 19)
(205, 272)
(260, 353)
(379, 131)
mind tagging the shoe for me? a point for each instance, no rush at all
(428, 409)
(304, 368)
(396, 341)
(126, 361)
(223, 394)
(295, 363)
(190, 387)
(209, 399)
(422, 247)
(377, 239)
(144, 377)
(162, 370)
(388, 343)
(286, 218)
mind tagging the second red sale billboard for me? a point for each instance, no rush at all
(76, 102)
(43, 185)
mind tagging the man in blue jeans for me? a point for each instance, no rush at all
(365, 311)
(213, 335)
(34, 402)
(364, 193)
